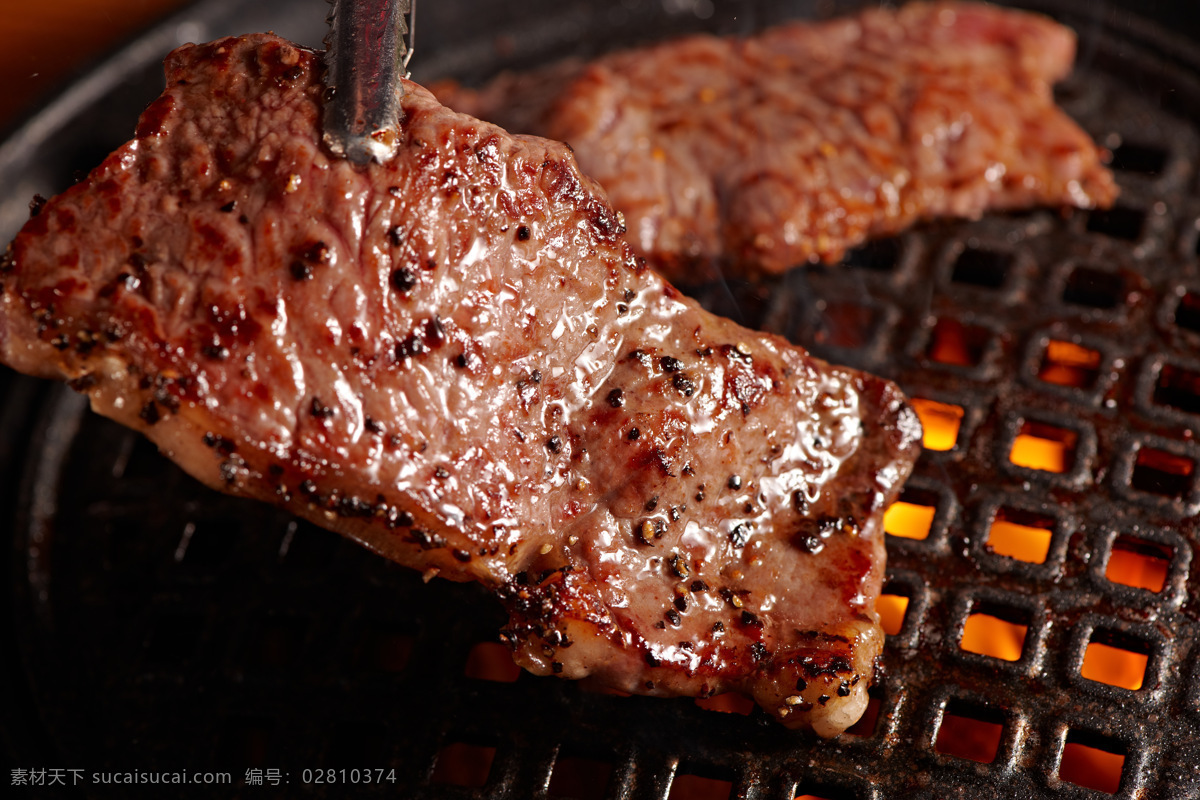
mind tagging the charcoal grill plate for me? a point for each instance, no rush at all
(160, 626)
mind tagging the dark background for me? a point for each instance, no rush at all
(62, 40)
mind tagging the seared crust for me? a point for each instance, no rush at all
(455, 359)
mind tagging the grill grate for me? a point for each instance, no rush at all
(1040, 604)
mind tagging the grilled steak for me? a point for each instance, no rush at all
(455, 359)
(761, 153)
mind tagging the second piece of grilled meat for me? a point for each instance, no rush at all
(753, 155)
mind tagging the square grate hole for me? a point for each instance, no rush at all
(1094, 288)
(1143, 159)
(1115, 659)
(1139, 563)
(728, 703)
(1118, 222)
(868, 723)
(579, 778)
(879, 255)
(1092, 761)
(1022, 535)
(1187, 313)
(911, 517)
(969, 731)
(941, 422)
(384, 650)
(691, 786)
(847, 325)
(957, 344)
(987, 269)
(1178, 388)
(892, 606)
(1162, 473)
(491, 661)
(808, 790)
(995, 630)
(464, 764)
(1045, 447)
(1069, 364)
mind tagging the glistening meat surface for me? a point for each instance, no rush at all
(455, 359)
(756, 154)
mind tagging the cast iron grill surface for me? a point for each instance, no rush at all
(161, 626)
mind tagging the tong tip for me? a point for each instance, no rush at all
(366, 54)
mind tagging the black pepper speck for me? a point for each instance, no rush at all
(319, 409)
(300, 271)
(412, 346)
(740, 535)
(149, 413)
(403, 279)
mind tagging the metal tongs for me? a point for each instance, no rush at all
(367, 50)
